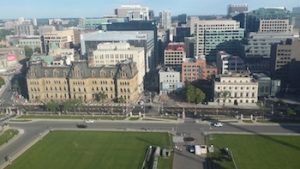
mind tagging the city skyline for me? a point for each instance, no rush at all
(92, 8)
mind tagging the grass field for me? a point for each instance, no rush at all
(258, 152)
(7, 135)
(91, 150)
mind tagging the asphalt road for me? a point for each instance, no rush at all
(33, 130)
(6, 96)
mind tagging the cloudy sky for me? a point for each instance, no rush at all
(95, 8)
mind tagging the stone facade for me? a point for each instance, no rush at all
(235, 89)
(80, 81)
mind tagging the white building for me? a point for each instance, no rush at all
(169, 81)
(133, 12)
(235, 89)
(165, 19)
(114, 53)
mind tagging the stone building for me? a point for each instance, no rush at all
(80, 81)
(235, 89)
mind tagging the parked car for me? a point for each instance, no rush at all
(191, 148)
(89, 121)
(217, 124)
(81, 125)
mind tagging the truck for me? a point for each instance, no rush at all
(197, 150)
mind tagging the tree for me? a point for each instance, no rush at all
(2, 82)
(53, 106)
(194, 94)
(37, 50)
(189, 93)
(290, 112)
(4, 33)
(224, 95)
(101, 96)
(28, 51)
(121, 100)
(71, 105)
(199, 96)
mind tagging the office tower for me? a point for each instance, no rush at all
(227, 63)
(174, 55)
(133, 12)
(165, 19)
(268, 18)
(258, 44)
(214, 35)
(24, 29)
(110, 54)
(234, 9)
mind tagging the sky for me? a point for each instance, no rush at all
(96, 8)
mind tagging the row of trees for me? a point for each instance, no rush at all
(29, 51)
(69, 105)
(194, 94)
(72, 104)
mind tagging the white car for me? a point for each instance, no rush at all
(218, 124)
(89, 121)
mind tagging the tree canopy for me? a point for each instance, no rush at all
(28, 51)
(194, 94)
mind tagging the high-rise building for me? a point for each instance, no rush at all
(174, 55)
(24, 29)
(296, 17)
(282, 54)
(133, 12)
(275, 25)
(234, 9)
(182, 19)
(273, 17)
(214, 35)
(145, 39)
(109, 54)
(148, 27)
(189, 45)
(259, 43)
(181, 33)
(165, 19)
(59, 39)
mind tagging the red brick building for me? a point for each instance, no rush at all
(196, 68)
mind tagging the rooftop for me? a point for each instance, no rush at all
(175, 46)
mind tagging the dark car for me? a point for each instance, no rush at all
(81, 125)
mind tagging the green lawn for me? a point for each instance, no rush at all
(7, 135)
(90, 150)
(259, 152)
